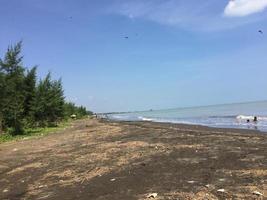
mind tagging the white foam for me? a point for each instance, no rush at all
(246, 117)
(145, 119)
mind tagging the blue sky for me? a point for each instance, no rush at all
(178, 52)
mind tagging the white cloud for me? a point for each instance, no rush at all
(168, 12)
(240, 8)
(185, 14)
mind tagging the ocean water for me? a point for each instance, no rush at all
(222, 116)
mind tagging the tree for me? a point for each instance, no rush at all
(82, 111)
(22, 100)
(57, 101)
(2, 96)
(49, 101)
(30, 94)
(12, 103)
(69, 109)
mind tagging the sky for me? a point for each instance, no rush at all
(128, 55)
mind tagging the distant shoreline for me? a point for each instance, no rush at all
(236, 116)
(194, 126)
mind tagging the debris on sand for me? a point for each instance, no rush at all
(152, 195)
(113, 179)
(257, 193)
(5, 190)
(15, 149)
(221, 190)
(191, 182)
(209, 186)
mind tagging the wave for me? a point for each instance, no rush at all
(145, 119)
(225, 116)
(250, 117)
(188, 120)
(168, 120)
(225, 121)
(243, 117)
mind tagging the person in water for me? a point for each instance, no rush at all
(255, 119)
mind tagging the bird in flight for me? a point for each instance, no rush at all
(126, 37)
(260, 31)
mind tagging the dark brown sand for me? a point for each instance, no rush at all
(128, 160)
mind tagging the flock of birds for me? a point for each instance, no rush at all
(127, 37)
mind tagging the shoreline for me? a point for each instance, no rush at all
(201, 127)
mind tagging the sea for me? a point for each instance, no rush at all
(234, 115)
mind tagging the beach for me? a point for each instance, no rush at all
(101, 159)
(235, 115)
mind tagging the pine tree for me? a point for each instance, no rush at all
(2, 96)
(40, 103)
(60, 99)
(79, 111)
(49, 101)
(30, 94)
(11, 67)
(22, 100)
(69, 109)
(82, 111)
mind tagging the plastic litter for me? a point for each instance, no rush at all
(152, 195)
(221, 190)
(257, 193)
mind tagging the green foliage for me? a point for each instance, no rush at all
(69, 109)
(13, 101)
(30, 93)
(33, 132)
(48, 107)
(12, 60)
(2, 95)
(25, 103)
(72, 109)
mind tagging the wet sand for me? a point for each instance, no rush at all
(103, 160)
